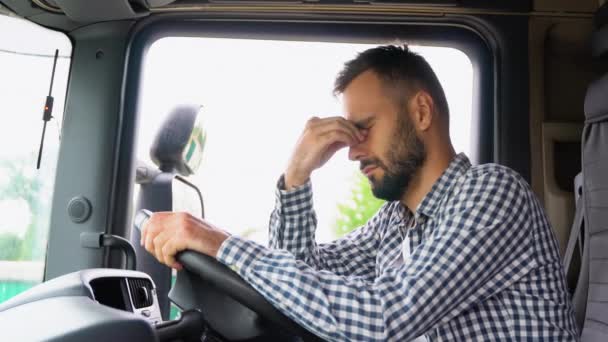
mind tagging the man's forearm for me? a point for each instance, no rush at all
(293, 221)
(292, 227)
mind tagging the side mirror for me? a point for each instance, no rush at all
(177, 152)
(180, 141)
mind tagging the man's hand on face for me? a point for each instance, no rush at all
(167, 233)
(321, 139)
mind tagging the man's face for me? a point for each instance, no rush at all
(392, 153)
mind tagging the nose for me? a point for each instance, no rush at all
(356, 152)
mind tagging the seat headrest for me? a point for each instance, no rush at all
(596, 100)
(599, 37)
(599, 42)
(600, 18)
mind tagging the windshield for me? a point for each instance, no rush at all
(26, 64)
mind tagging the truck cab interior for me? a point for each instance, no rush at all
(111, 107)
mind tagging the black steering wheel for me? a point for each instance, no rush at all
(230, 305)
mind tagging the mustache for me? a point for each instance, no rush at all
(371, 162)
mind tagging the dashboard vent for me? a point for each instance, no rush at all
(141, 292)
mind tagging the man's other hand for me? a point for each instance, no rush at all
(167, 233)
(321, 139)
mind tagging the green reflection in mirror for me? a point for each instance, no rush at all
(193, 153)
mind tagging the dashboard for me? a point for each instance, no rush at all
(91, 305)
(122, 305)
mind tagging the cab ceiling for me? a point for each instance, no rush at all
(66, 15)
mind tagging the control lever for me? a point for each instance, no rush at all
(191, 327)
(141, 218)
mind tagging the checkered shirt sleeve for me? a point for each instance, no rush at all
(292, 227)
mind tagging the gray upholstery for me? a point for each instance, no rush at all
(590, 228)
(595, 201)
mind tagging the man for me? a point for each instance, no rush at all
(459, 253)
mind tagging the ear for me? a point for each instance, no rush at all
(422, 110)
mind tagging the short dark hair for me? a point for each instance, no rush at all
(404, 72)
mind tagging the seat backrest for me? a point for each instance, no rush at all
(595, 202)
(589, 235)
(595, 199)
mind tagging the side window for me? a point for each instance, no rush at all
(26, 64)
(257, 96)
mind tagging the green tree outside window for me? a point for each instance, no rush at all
(361, 206)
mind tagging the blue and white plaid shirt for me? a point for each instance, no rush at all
(483, 265)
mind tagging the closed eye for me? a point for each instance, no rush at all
(364, 124)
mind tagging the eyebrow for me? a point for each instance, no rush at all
(363, 123)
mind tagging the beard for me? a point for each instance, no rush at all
(405, 157)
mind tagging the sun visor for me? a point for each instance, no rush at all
(158, 3)
(95, 11)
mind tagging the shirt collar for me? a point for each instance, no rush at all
(432, 200)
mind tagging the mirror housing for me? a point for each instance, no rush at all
(180, 141)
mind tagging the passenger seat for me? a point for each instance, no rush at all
(589, 233)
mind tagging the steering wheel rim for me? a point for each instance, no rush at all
(227, 282)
